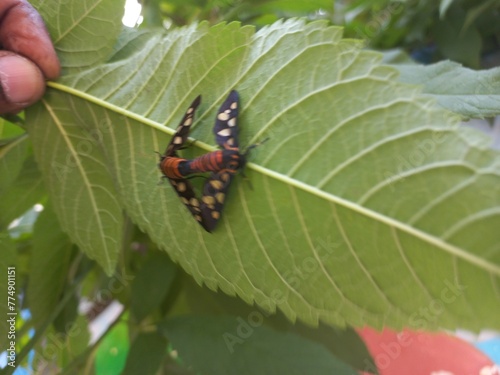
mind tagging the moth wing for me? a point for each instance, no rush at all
(182, 132)
(213, 198)
(186, 193)
(226, 122)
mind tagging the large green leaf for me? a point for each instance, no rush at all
(369, 205)
(72, 24)
(12, 155)
(443, 7)
(151, 285)
(344, 344)
(75, 172)
(456, 42)
(227, 345)
(25, 191)
(146, 354)
(48, 267)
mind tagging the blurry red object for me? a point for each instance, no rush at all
(424, 353)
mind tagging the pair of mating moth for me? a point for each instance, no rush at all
(223, 164)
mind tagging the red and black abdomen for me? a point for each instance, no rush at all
(215, 161)
(174, 167)
(212, 161)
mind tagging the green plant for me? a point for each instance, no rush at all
(460, 30)
(465, 31)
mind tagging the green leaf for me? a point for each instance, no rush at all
(77, 338)
(469, 93)
(474, 13)
(72, 24)
(22, 194)
(111, 353)
(67, 316)
(151, 285)
(227, 345)
(146, 354)
(455, 42)
(369, 203)
(443, 7)
(60, 348)
(49, 265)
(82, 191)
(294, 7)
(344, 344)
(12, 155)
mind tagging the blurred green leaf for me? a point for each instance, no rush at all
(443, 7)
(49, 265)
(151, 285)
(474, 13)
(469, 93)
(344, 344)
(9, 130)
(77, 339)
(12, 156)
(455, 42)
(228, 345)
(112, 352)
(22, 194)
(146, 354)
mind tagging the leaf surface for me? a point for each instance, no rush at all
(461, 90)
(151, 285)
(73, 24)
(48, 267)
(146, 354)
(227, 345)
(24, 192)
(369, 204)
(12, 155)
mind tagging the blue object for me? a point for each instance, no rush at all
(491, 348)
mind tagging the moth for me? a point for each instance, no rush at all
(222, 164)
(176, 169)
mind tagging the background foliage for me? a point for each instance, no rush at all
(465, 31)
(369, 203)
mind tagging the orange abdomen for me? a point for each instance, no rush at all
(172, 167)
(213, 161)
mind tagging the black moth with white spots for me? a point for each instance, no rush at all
(223, 164)
(226, 136)
(173, 167)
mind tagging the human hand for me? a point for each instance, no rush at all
(27, 57)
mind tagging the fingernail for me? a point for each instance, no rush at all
(20, 79)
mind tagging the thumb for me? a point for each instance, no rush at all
(21, 83)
